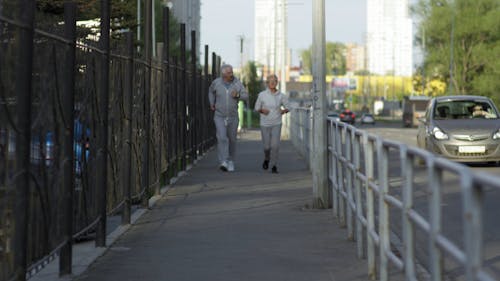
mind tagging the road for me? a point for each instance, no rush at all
(451, 206)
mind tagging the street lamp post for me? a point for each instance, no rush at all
(452, 33)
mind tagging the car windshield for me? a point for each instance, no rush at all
(464, 109)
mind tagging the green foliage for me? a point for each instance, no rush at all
(305, 56)
(123, 17)
(335, 58)
(335, 61)
(251, 81)
(473, 58)
(123, 13)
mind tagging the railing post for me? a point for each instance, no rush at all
(65, 260)
(349, 176)
(342, 210)
(383, 177)
(102, 150)
(435, 184)
(357, 195)
(472, 197)
(128, 102)
(408, 231)
(23, 136)
(370, 209)
(332, 170)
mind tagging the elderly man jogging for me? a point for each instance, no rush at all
(224, 94)
(271, 104)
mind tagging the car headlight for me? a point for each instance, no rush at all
(496, 135)
(438, 134)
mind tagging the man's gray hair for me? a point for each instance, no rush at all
(224, 67)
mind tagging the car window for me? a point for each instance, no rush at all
(463, 109)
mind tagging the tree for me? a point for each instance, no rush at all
(251, 80)
(462, 36)
(123, 13)
(335, 60)
(123, 17)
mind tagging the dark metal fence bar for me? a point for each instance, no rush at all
(147, 104)
(127, 120)
(184, 98)
(65, 261)
(193, 99)
(22, 139)
(102, 153)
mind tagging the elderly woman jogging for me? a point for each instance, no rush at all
(271, 104)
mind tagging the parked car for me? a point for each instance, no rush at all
(348, 116)
(367, 118)
(335, 116)
(461, 128)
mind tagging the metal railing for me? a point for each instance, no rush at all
(373, 181)
(75, 116)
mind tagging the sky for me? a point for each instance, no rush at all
(223, 22)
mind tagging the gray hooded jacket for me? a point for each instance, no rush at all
(219, 94)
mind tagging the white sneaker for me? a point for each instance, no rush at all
(230, 166)
(224, 166)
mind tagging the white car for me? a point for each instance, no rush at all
(335, 116)
(367, 118)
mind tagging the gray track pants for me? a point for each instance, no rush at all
(271, 141)
(227, 128)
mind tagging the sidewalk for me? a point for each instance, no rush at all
(246, 225)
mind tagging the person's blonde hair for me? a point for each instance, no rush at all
(270, 76)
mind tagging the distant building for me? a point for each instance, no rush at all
(389, 37)
(269, 38)
(188, 12)
(355, 58)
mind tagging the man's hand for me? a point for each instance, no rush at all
(264, 111)
(235, 94)
(212, 107)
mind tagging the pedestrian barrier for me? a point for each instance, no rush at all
(89, 127)
(373, 180)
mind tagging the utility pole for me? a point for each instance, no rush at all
(451, 45)
(283, 47)
(275, 47)
(286, 117)
(321, 196)
(423, 64)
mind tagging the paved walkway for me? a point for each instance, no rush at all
(246, 225)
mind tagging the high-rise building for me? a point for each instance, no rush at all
(389, 37)
(270, 34)
(355, 58)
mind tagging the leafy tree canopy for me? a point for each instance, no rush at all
(251, 80)
(462, 44)
(335, 59)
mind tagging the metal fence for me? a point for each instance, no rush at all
(87, 130)
(395, 217)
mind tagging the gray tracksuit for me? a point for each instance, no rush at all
(226, 115)
(270, 124)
